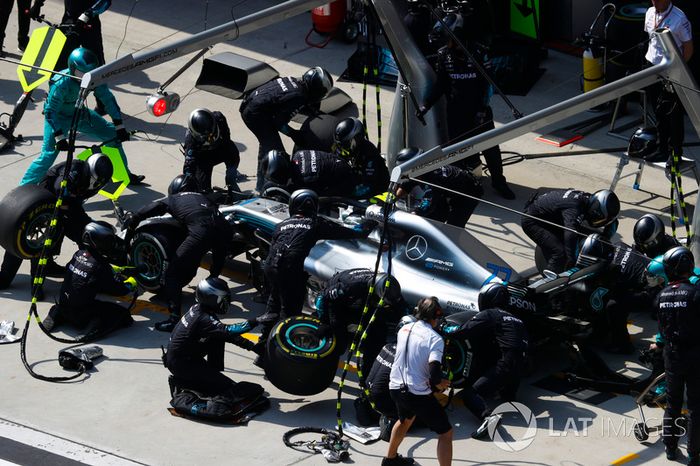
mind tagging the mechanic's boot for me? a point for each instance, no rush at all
(502, 188)
(52, 320)
(259, 349)
(671, 453)
(167, 325)
(136, 180)
(22, 43)
(489, 423)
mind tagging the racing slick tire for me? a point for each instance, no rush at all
(153, 251)
(26, 212)
(297, 360)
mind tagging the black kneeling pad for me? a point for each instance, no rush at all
(243, 402)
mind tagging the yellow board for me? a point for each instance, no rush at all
(120, 174)
(43, 50)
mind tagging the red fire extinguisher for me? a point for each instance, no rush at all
(326, 20)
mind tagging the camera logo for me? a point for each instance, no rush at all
(513, 444)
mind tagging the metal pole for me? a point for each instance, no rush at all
(228, 31)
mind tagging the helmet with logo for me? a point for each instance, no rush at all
(348, 136)
(648, 232)
(643, 143)
(319, 82)
(99, 238)
(303, 202)
(213, 295)
(203, 126)
(679, 263)
(603, 208)
(81, 61)
(493, 295)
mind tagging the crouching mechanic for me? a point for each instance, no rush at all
(200, 333)
(415, 375)
(577, 211)
(341, 303)
(291, 243)
(207, 229)
(88, 273)
(678, 307)
(207, 144)
(494, 331)
(85, 179)
(59, 109)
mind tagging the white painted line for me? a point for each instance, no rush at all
(59, 446)
(7, 463)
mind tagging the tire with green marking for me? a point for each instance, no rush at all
(25, 214)
(297, 361)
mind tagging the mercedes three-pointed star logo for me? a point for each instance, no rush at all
(416, 247)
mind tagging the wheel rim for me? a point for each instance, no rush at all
(456, 358)
(148, 254)
(302, 337)
(37, 230)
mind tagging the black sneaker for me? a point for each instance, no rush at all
(167, 325)
(504, 190)
(483, 430)
(397, 460)
(22, 43)
(671, 453)
(136, 179)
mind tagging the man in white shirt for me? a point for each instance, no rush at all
(667, 107)
(415, 375)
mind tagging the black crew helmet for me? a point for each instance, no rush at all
(303, 202)
(603, 208)
(203, 126)
(643, 143)
(213, 294)
(180, 184)
(596, 246)
(407, 153)
(99, 238)
(348, 135)
(493, 295)
(276, 166)
(387, 287)
(648, 232)
(100, 171)
(679, 263)
(319, 82)
(452, 21)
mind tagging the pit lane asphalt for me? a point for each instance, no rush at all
(121, 407)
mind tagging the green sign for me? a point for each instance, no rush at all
(525, 17)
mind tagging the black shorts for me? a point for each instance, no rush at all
(425, 407)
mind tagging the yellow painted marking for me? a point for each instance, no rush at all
(625, 459)
(30, 79)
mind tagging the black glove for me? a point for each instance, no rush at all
(35, 11)
(62, 144)
(324, 331)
